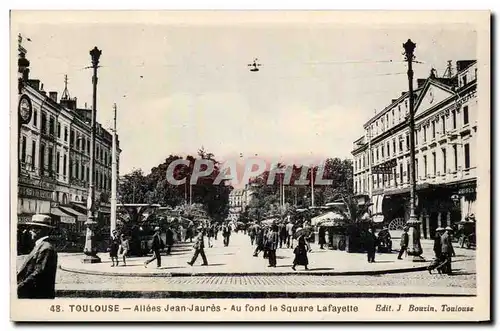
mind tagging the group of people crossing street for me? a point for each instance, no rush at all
(268, 238)
(443, 251)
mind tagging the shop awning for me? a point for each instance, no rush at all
(79, 216)
(64, 217)
(23, 218)
(330, 216)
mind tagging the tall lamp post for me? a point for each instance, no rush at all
(414, 246)
(25, 108)
(90, 249)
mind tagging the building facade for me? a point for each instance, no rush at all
(238, 201)
(54, 157)
(445, 147)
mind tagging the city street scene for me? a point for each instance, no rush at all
(255, 160)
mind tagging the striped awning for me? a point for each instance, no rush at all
(64, 217)
(79, 216)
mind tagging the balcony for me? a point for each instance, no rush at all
(465, 130)
(452, 134)
(442, 137)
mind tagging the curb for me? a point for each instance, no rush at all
(241, 274)
(241, 295)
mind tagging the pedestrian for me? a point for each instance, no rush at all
(282, 233)
(226, 233)
(36, 278)
(371, 245)
(446, 250)
(272, 245)
(156, 245)
(169, 239)
(182, 233)
(300, 252)
(289, 231)
(259, 240)
(199, 248)
(251, 234)
(403, 243)
(124, 248)
(321, 236)
(114, 246)
(437, 252)
(265, 231)
(216, 231)
(209, 232)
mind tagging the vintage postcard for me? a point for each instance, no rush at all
(250, 166)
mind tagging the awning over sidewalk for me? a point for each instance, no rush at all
(23, 218)
(64, 217)
(79, 216)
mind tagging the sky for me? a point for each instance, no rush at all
(182, 86)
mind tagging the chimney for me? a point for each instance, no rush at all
(42, 91)
(421, 82)
(34, 83)
(26, 74)
(69, 103)
(461, 65)
(53, 96)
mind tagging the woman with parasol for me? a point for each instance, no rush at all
(300, 252)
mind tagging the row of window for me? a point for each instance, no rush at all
(382, 151)
(79, 142)
(46, 162)
(402, 174)
(390, 119)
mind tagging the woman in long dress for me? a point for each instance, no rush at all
(301, 253)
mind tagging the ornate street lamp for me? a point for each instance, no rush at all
(414, 246)
(90, 249)
(25, 108)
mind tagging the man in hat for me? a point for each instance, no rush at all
(446, 250)
(437, 251)
(37, 277)
(199, 248)
(226, 233)
(403, 243)
(156, 246)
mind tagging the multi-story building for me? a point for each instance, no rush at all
(238, 201)
(54, 157)
(445, 147)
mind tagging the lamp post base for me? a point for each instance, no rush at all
(414, 245)
(91, 259)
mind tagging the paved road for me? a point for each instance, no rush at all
(239, 254)
(237, 259)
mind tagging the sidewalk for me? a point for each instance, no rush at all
(237, 260)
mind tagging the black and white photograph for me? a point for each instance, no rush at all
(291, 166)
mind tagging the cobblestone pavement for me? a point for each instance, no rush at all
(465, 277)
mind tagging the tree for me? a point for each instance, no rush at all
(155, 188)
(133, 187)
